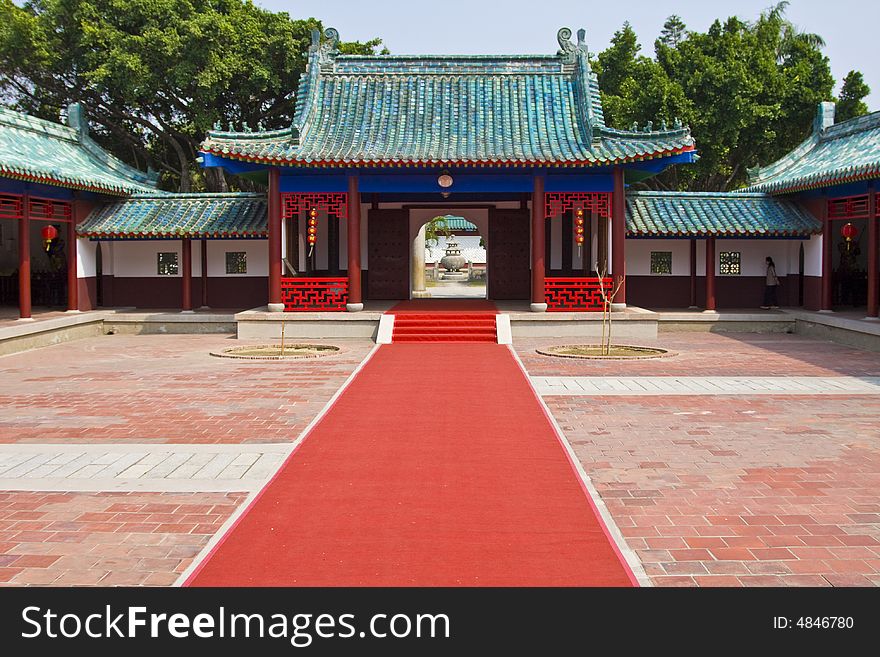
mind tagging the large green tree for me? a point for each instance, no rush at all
(154, 75)
(748, 90)
(852, 96)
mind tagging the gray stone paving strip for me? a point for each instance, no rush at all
(700, 385)
(139, 467)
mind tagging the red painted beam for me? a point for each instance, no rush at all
(827, 242)
(275, 240)
(24, 259)
(538, 245)
(355, 301)
(72, 281)
(618, 234)
(873, 259)
(710, 274)
(186, 274)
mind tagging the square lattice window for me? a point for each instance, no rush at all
(730, 263)
(236, 262)
(661, 262)
(167, 263)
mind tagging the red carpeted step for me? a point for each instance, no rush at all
(446, 337)
(407, 482)
(444, 327)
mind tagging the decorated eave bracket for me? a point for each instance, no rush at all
(335, 204)
(583, 204)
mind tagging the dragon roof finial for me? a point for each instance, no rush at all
(567, 49)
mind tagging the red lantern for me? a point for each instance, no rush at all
(849, 232)
(313, 229)
(48, 233)
(579, 227)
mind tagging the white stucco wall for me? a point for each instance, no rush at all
(139, 258)
(257, 257)
(85, 258)
(638, 256)
(813, 256)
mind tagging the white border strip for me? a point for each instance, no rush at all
(502, 329)
(386, 329)
(628, 553)
(245, 506)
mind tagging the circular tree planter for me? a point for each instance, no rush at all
(291, 351)
(595, 352)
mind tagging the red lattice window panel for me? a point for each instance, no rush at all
(854, 207)
(557, 203)
(574, 294)
(303, 294)
(50, 210)
(11, 207)
(335, 204)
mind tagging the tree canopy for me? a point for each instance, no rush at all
(852, 94)
(154, 75)
(748, 90)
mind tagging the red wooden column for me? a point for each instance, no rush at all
(276, 305)
(693, 273)
(827, 243)
(203, 254)
(186, 274)
(539, 303)
(710, 273)
(355, 300)
(618, 236)
(72, 281)
(873, 273)
(24, 259)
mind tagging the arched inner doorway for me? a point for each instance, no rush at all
(449, 259)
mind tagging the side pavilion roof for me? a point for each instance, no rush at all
(36, 150)
(831, 155)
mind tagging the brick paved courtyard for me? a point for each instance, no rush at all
(163, 389)
(708, 489)
(718, 490)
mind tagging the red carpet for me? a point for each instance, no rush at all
(436, 467)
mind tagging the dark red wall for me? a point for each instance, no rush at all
(156, 292)
(730, 291)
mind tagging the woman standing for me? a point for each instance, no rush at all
(770, 286)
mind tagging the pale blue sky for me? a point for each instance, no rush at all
(529, 26)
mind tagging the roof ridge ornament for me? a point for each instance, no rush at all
(567, 49)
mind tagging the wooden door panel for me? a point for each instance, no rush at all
(388, 254)
(509, 254)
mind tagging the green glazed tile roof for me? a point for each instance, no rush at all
(841, 153)
(394, 110)
(459, 223)
(724, 214)
(179, 215)
(44, 152)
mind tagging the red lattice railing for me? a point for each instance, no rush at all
(11, 206)
(317, 293)
(50, 210)
(574, 294)
(854, 207)
(557, 203)
(42, 209)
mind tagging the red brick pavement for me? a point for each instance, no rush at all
(163, 389)
(105, 539)
(712, 354)
(737, 490)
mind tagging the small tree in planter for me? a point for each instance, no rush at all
(607, 293)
